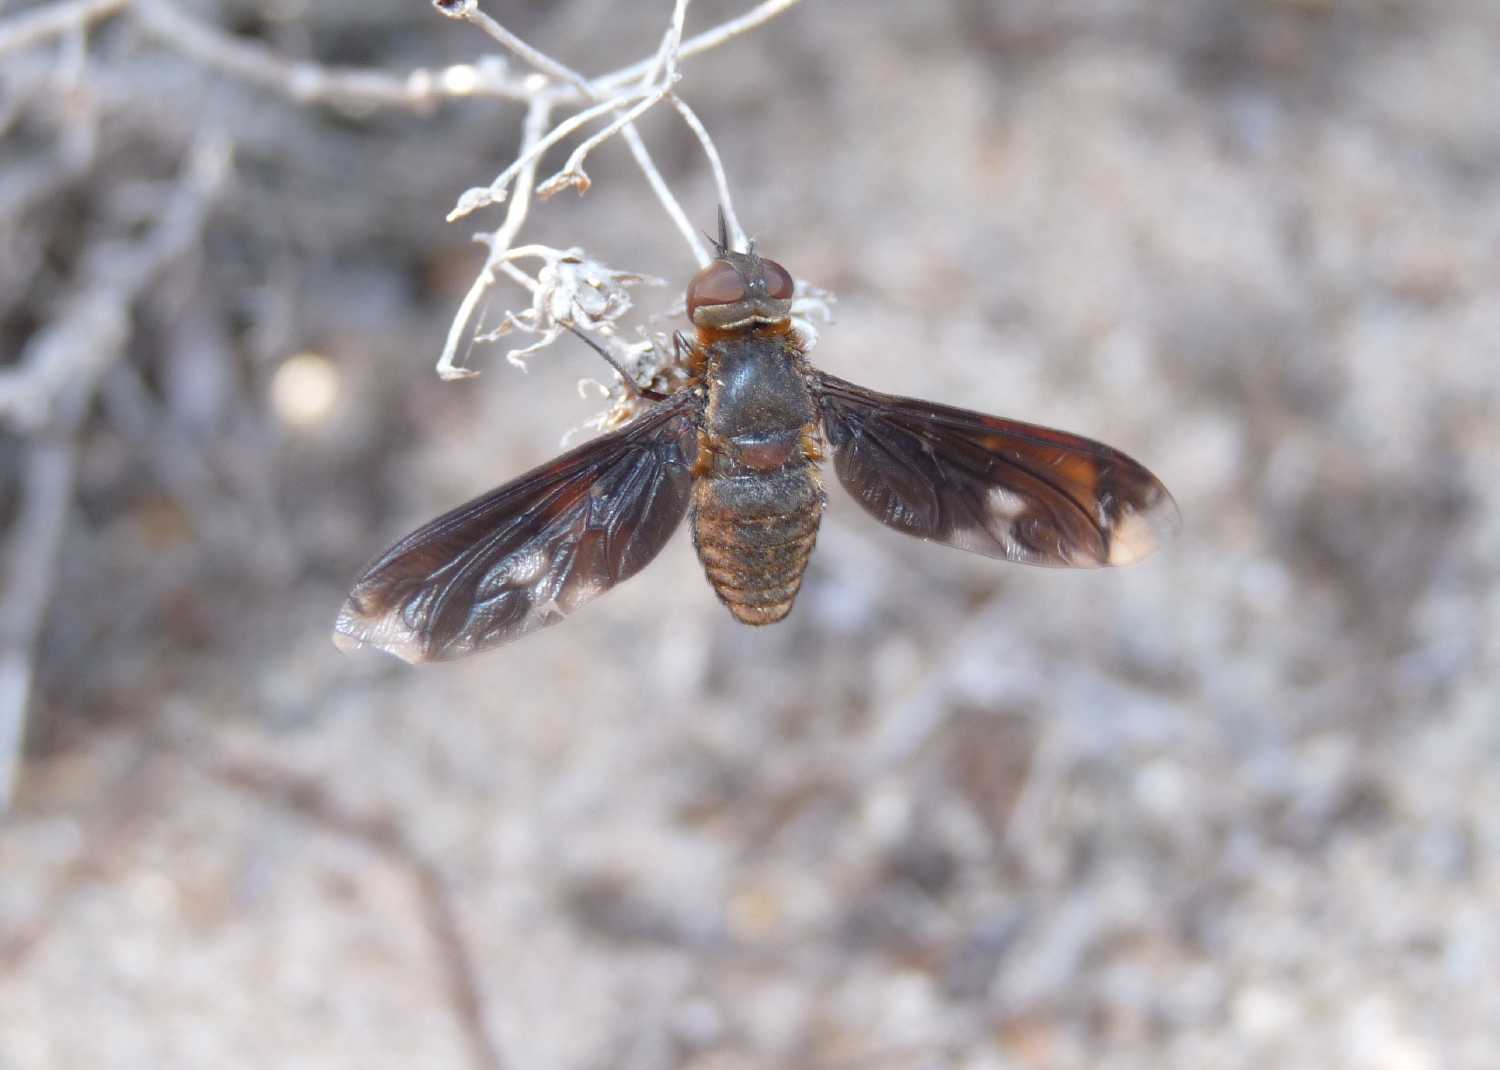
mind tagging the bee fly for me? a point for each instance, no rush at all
(735, 448)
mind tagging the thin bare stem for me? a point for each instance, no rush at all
(470, 12)
(538, 113)
(721, 180)
(703, 42)
(671, 45)
(311, 83)
(572, 173)
(482, 196)
(43, 23)
(665, 195)
(517, 275)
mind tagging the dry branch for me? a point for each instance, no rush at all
(48, 392)
(44, 23)
(627, 94)
(355, 89)
(311, 83)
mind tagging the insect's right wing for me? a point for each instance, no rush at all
(527, 554)
(990, 485)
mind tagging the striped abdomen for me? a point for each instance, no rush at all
(758, 500)
(754, 531)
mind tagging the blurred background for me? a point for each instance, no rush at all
(1234, 807)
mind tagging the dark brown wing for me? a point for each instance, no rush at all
(993, 486)
(528, 554)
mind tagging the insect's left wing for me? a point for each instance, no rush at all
(993, 486)
(527, 554)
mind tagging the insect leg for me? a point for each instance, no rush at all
(631, 386)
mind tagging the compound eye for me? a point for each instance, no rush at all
(717, 284)
(779, 282)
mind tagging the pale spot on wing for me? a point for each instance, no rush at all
(1006, 505)
(1136, 533)
(518, 570)
(355, 631)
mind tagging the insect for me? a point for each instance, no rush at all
(735, 449)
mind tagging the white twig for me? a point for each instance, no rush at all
(483, 196)
(721, 180)
(43, 23)
(351, 88)
(312, 83)
(664, 194)
(703, 42)
(469, 11)
(572, 173)
(627, 94)
(537, 115)
(663, 64)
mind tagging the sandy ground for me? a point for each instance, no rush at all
(1235, 807)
